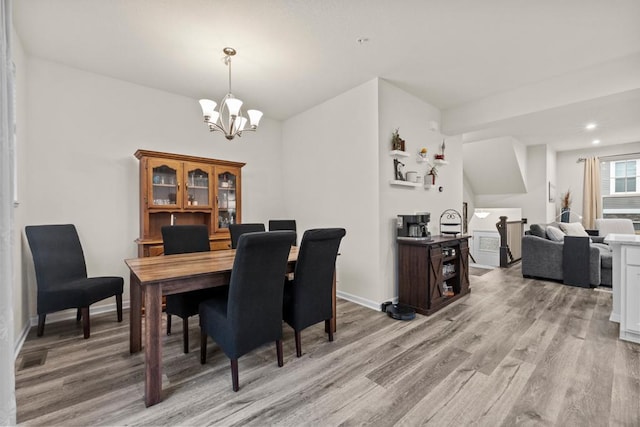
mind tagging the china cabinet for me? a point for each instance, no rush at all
(178, 189)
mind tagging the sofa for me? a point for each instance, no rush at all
(543, 254)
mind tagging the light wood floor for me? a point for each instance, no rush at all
(514, 352)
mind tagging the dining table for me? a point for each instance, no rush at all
(153, 277)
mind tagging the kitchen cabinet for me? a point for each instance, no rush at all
(177, 189)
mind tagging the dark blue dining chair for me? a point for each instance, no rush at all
(251, 314)
(181, 239)
(308, 297)
(61, 275)
(237, 230)
(283, 224)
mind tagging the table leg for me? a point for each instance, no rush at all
(135, 314)
(332, 322)
(153, 344)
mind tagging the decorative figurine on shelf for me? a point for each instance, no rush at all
(397, 143)
(441, 155)
(398, 173)
(423, 152)
(433, 172)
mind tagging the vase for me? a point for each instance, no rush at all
(564, 214)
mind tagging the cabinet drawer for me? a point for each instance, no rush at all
(633, 256)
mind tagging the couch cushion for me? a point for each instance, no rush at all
(538, 230)
(573, 229)
(555, 234)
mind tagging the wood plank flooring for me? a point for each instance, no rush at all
(514, 352)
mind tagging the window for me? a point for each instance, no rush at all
(623, 176)
(620, 188)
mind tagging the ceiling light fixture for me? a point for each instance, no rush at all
(229, 120)
(591, 126)
(481, 213)
(596, 141)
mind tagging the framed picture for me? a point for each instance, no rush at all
(552, 192)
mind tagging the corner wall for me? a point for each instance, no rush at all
(534, 203)
(330, 170)
(399, 109)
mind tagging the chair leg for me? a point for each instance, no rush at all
(298, 343)
(41, 319)
(279, 352)
(185, 335)
(327, 327)
(168, 324)
(119, 307)
(234, 374)
(203, 346)
(85, 321)
(78, 315)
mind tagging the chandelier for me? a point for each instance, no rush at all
(229, 119)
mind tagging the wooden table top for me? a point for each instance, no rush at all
(164, 267)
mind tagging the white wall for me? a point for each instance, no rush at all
(20, 293)
(330, 165)
(535, 202)
(399, 109)
(570, 173)
(337, 154)
(79, 164)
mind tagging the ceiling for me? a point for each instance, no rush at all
(294, 54)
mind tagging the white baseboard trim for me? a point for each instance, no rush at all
(20, 341)
(362, 301)
(59, 316)
(487, 267)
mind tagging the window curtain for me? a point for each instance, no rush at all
(591, 200)
(7, 357)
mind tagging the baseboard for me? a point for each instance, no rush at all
(21, 339)
(362, 301)
(486, 267)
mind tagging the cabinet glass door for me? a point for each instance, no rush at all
(197, 185)
(164, 184)
(226, 190)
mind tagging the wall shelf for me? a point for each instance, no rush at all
(405, 183)
(398, 153)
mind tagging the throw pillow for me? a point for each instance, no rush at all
(555, 234)
(573, 229)
(538, 230)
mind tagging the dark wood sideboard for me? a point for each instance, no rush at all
(424, 267)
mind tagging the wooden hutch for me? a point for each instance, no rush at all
(177, 189)
(432, 274)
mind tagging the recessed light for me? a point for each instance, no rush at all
(362, 40)
(591, 126)
(595, 141)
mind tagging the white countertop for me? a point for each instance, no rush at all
(622, 239)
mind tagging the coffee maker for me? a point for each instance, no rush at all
(414, 226)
